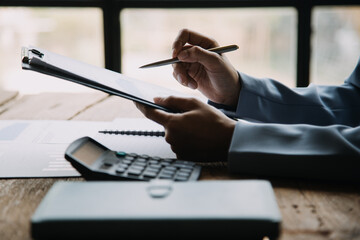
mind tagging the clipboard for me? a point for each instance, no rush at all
(102, 79)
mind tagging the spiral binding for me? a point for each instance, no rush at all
(135, 133)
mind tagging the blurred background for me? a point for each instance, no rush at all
(267, 38)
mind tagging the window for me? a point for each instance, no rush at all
(74, 32)
(335, 43)
(295, 42)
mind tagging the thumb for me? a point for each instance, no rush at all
(200, 55)
(156, 115)
(180, 104)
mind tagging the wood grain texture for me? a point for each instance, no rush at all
(18, 200)
(310, 210)
(51, 106)
(317, 210)
(111, 108)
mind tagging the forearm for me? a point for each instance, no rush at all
(295, 150)
(269, 101)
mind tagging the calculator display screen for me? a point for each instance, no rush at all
(88, 152)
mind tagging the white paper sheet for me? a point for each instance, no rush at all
(36, 148)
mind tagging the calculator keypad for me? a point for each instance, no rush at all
(144, 167)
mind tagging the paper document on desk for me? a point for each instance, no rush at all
(32, 148)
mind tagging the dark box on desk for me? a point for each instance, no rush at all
(162, 209)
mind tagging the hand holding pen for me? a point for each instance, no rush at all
(199, 66)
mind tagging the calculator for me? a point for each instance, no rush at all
(96, 162)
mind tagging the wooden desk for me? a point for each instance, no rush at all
(309, 210)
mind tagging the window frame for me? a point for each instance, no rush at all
(112, 26)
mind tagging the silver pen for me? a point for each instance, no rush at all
(218, 50)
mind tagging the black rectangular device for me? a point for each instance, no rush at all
(158, 209)
(96, 162)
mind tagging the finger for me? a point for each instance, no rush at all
(179, 103)
(156, 115)
(196, 72)
(194, 38)
(200, 55)
(181, 74)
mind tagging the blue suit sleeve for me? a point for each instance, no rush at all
(269, 101)
(295, 150)
(304, 132)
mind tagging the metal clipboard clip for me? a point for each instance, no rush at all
(25, 54)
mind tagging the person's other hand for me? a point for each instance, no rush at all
(211, 73)
(199, 133)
